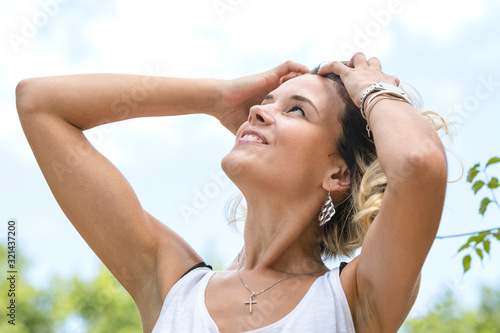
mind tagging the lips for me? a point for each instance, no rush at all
(253, 136)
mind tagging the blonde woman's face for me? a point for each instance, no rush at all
(288, 140)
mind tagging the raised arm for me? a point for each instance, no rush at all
(93, 194)
(387, 272)
(146, 256)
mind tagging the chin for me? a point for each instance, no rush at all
(233, 166)
(248, 168)
(241, 166)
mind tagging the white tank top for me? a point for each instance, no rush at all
(324, 308)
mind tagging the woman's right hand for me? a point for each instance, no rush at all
(358, 74)
(238, 95)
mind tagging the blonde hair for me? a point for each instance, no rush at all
(346, 231)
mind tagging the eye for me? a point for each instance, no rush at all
(298, 109)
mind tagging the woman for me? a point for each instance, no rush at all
(303, 149)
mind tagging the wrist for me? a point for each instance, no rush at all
(380, 88)
(376, 93)
(218, 88)
(204, 97)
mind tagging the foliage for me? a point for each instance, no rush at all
(448, 316)
(480, 242)
(101, 305)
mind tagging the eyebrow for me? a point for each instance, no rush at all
(297, 98)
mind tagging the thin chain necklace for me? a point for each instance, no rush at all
(253, 293)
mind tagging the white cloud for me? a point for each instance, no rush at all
(441, 18)
(283, 27)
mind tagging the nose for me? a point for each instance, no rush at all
(258, 114)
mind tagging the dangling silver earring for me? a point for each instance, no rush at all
(327, 211)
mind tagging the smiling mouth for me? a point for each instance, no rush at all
(252, 137)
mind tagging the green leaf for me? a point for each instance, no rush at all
(472, 173)
(479, 253)
(477, 186)
(497, 235)
(475, 239)
(487, 245)
(466, 263)
(466, 245)
(470, 240)
(493, 183)
(493, 160)
(478, 238)
(484, 204)
(481, 236)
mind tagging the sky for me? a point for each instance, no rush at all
(447, 50)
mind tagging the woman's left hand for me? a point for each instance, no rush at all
(358, 74)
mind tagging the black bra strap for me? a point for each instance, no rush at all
(342, 265)
(201, 264)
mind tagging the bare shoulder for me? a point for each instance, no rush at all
(363, 313)
(174, 257)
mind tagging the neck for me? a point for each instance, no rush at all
(281, 235)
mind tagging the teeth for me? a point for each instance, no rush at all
(253, 138)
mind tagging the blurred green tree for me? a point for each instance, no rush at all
(68, 305)
(447, 316)
(103, 304)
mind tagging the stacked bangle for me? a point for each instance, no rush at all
(376, 93)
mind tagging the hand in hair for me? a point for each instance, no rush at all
(358, 74)
(238, 95)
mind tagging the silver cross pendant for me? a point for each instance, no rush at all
(250, 302)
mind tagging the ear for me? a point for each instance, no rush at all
(338, 179)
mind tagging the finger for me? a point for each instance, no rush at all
(289, 76)
(333, 67)
(359, 60)
(325, 68)
(289, 67)
(375, 62)
(347, 63)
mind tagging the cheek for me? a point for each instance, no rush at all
(309, 152)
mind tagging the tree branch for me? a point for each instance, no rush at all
(466, 234)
